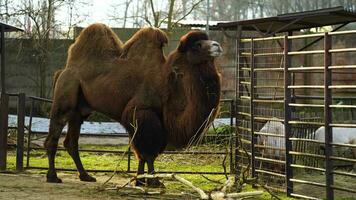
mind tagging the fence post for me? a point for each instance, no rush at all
(328, 119)
(238, 89)
(252, 120)
(287, 116)
(20, 131)
(4, 111)
(29, 134)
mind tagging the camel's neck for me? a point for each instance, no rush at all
(193, 100)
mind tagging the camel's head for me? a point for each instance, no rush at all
(198, 46)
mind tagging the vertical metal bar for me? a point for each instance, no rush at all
(29, 134)
(232, 114)
(237, 99)
(252, 123)
(2, 63)
(4, 111)
(129, 159)
(287, 116)
(328, 119)
(20, 131)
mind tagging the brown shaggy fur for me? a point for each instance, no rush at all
(145, 38)
(158, 100)
(98, 41)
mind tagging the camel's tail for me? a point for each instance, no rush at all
(55, 78)
(94, 42)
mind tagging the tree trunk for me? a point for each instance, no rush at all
(170, 15)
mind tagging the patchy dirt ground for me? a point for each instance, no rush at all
(32, 186)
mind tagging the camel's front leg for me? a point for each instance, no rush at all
(155, 181)
(140, 171)
(71, 144)
(148, 137)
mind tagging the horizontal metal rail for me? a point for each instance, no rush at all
(245, 69)
(269, 86)
(306, 123)
(269, 134)
(245, 40)
(342, 87)
(269, 147)
(126, 152)
(344, 145)
(343, 125)
(293, 69)
(308, 167)
(308, 182)
(343, 159)
(294, 53)
(344, 173)
(342, 106)
(274, 119)
(343, 189)
(306, 105)
(270, 160)
(131, 171)
(342, 50)
(303, 196)
(306, 87)
(306, 140)
(270, 173)
(267, 101)
(296, 153)
(268, 69)
(342, 67)
(40, 99)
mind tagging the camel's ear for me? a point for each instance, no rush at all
(188, 40)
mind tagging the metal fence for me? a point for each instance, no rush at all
(302, 86)
(28, 151)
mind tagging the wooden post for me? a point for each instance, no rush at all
(328, 119)
(2, 62)
(287, 117)
(29, 134)
(252, 120)
(20, 131)
(4, 110)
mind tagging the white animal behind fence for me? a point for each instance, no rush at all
(341, 136)
(274, 145)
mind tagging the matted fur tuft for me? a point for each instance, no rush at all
(95, 41)
(188, 40)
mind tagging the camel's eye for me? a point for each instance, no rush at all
(197, 46)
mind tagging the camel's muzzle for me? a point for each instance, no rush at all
(215, 49)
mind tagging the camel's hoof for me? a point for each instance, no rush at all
(155, 183)
(53, 179)
(87, 178)
(140, 182)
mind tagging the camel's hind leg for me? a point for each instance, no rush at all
(51, 144)
(71, 144)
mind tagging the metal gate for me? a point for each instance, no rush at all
(286, 90)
